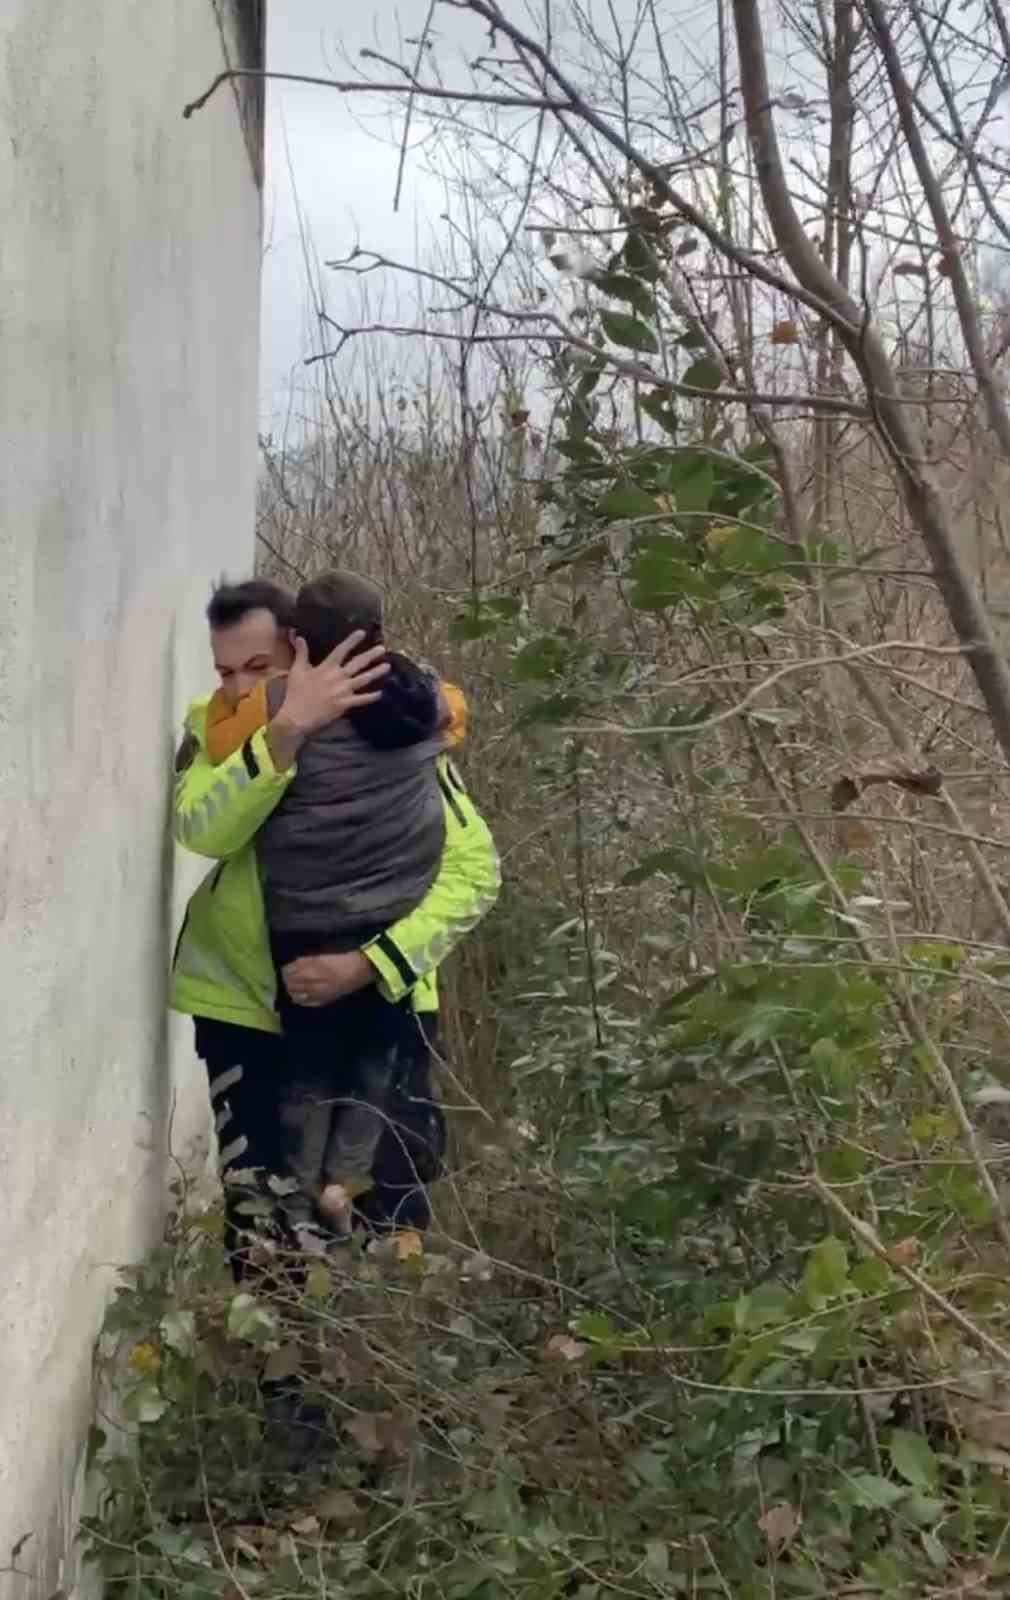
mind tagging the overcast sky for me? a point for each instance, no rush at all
(336, 156)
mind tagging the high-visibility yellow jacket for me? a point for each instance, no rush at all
(222, 967)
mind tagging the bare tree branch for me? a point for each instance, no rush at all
(363, 86)
(862, 341)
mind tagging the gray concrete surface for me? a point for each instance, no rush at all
(129, 269)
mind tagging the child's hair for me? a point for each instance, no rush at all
(333, 605)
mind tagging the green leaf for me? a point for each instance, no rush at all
(639, 259)
(836, 1344)
(547, 657)
(689, 869)
(470, 625)
(144, 1403)
(647, 1467)
(873, 1493)
(483, 617)
(844, 1164)
(692, 479)
(776, 717)
(579, 450)
(659, 583)
(759, 454)
(622, 329)
(626, 500)
(620, 287)
(178, 1332)
(669, 1116)
(767, 1306)
(871, 1276)
(924, 1510)
(596, 1325)
(318, 1282)
(770, 869)
(587, 383)
(250, 1321)
(658, 405)
(757, 1353)
(749, 547)
(684, 995)
(912, 1459)
(656, 1564)
(935, 1553)
(703, 374)
(764, 1020)
(827, 1271)
(693, 339)
(555, 708)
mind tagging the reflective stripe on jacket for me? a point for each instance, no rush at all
(222, 967)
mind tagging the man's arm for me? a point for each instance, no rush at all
(216, 810)
(466, 888)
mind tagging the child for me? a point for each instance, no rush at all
(353, 846)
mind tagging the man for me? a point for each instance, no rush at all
(223, 975)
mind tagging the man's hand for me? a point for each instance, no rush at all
(315, 696)
(319, 980)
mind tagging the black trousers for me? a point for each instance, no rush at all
(247, 1076)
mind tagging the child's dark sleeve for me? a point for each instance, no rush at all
(409, 711)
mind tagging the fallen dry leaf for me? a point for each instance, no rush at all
(247, 1539)
(904, 1251)
(479, 1268)
(985, 1425)
(562, 1347)
(364, 1430)
(784, 333)
(973, 1577)
(407, 1244)
(305, 1525)
(928, 780)
(780, 1523)
(378, 1432)
(339, 1506)
(855, 835)
(283, 1362)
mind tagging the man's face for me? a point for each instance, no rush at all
(248, 650)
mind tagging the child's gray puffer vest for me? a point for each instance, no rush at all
(357, 840)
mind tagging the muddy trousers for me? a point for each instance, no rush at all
(342, 1062)
(245, 1072)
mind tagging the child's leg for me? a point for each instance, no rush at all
(356, 1128)
(306, 1109)
(305, 1114)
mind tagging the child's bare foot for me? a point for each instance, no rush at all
(335, 1206)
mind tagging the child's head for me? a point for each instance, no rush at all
(333, 605)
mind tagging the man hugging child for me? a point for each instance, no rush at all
(352, 847)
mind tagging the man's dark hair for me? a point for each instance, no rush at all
(230, 602)
(334, 605)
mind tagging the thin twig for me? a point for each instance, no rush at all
(362, 86)
(867, 1237)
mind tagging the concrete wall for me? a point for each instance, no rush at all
(129, 267)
